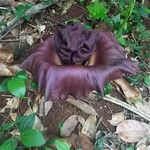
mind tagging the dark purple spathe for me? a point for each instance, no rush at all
(74, 44)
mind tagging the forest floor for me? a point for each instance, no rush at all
(115, 122)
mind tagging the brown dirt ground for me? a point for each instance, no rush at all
(61, 110)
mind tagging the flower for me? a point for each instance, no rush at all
(76, 61)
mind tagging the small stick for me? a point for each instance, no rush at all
(127, 106)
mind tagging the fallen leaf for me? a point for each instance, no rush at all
(117, 118)
(132, 131)
(35, 108)
(90, 127)
(15, 31)
(13, 116)
(15, 68)
(37, 123)
(59, 144)
(7, 70)
(142, 144)
(48, 106)
(81, 120)
(4, 69)
(6, 55)
(80, 142)
(142, 147)
(12, 103)
(30, 39)
(143, 106)
(41, 28)
(69, 125)
(66, 6)
(82, 105)
(15, 132)
(131, 93)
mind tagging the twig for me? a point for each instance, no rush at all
(127, 106)
(18, 35)
(10, 40)
(6, 30)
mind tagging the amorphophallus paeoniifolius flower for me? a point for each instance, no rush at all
(76, 61)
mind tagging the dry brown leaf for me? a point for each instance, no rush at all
(82, 105)
(30, 39)
(12, 103)
(15, 132)
(143, 106)
(13, 116)
(131, 93)
(48, 106)
(143, 144)
(6, 55)
(90, 127)
(80, 142)
(141, 147)
(35, 108)
(5, 70)
(15, 68)
(81, 120)
(15, 31)
(69, 125)
(41, 28)
(66, 6)
(132, 131)
(38, 124)
(117, 118)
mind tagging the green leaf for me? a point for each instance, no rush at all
(47, 148)
(122, 41)
(147, 80)
(22, 9)
(107, 89)
(97, 10)
(25, 122)
(147, 10)
(9, 144)
(32, 138)
(22, 75)
(99, 144)
(34, 85)
(3, 86)
(60, 144)
(7, 126)
(86, 26)
(17, 87)
(116, 18)
(131, 148)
